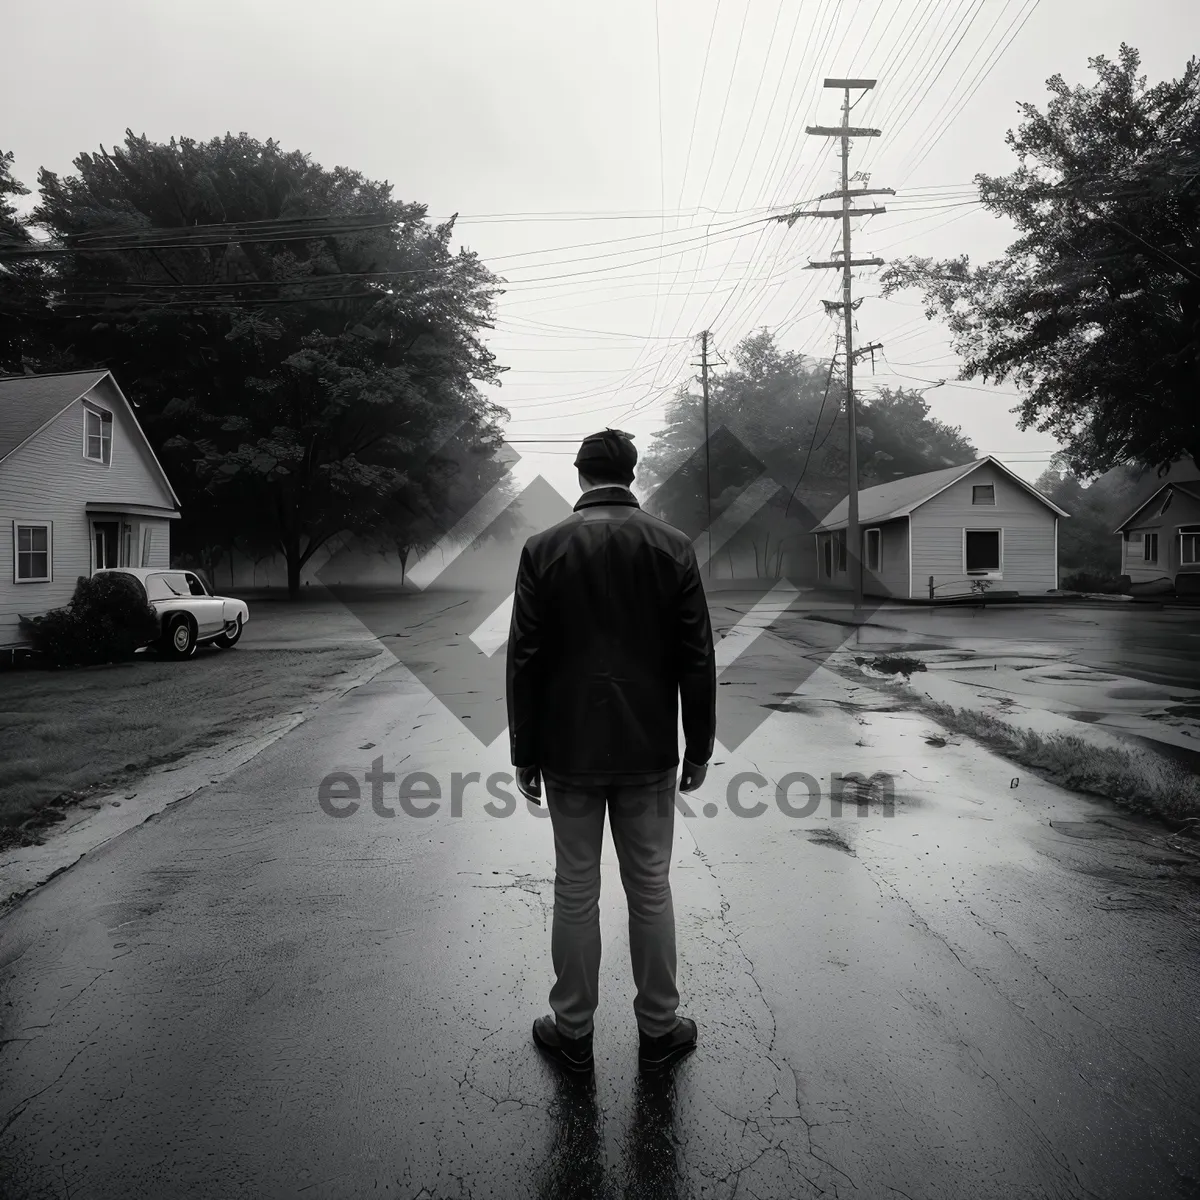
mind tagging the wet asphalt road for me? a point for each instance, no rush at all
(984, 991)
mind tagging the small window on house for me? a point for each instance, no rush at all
(31, 553)
(841, 550)
(871, 549)
(1189, 544)
(983, 493)
(827, 556)
(97, 441)
(982, 551)
(147, 542)
(1150, 548)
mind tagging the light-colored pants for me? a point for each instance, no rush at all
(642, 818)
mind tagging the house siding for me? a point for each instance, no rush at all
(1184, 510)
(48, 480)
(1028, 556)
(892, 577)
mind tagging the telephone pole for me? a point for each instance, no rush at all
(845, 132)
(704, 336)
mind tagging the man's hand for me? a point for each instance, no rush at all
(529, 782)
(691, 775)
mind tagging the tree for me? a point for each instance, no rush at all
(777, 412)
(299, 371)
(1087, 542)
(898, 437)
(762, 414)
(1095, 308)
(22, 282)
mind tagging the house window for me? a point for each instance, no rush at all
(31, 553)
(981, 550)
(871, 549)
(147, 542)
(841, 550)
(97, 439)
(827, 556)
(1150, 548)
(983, 493)
(1189, 544)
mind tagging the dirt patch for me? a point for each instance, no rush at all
(893, 664)
(67, 735)
(829, 837)
(790, 706)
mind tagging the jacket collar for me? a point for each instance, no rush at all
(607, 495)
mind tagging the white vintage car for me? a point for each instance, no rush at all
(190, 614)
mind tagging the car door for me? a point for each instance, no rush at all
(206, 608)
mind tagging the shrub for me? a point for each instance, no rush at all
(107, 619)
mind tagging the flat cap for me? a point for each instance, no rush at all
(609, 454)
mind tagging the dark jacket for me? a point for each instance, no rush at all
(609, 630)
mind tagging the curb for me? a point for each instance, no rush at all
(26, 868)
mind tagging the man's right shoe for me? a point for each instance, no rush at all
(659, 1053)
(572, 1054)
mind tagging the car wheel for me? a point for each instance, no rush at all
(180, 638)
(231, 636)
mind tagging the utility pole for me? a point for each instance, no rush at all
(704, 336)
(845, 132)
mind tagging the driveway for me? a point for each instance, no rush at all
(980, 990)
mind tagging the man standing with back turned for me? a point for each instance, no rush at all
(610, 630)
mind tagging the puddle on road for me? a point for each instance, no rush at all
(1140, 693)
(1191, 711)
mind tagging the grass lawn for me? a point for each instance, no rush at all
(1135, 779)
(66, 734)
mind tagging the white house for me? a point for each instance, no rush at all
(1160, 540)
(80, 489)
(940, 532)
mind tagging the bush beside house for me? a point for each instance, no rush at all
(107, 620)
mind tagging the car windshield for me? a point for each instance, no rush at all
(167, 585)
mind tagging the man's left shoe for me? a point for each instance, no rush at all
(572, 1054)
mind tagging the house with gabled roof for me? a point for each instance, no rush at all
(1160, 540)
(80, 489)
(945, 533)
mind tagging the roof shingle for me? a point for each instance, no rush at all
(894, 499)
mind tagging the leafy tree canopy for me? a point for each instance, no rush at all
(784, 412)
(1095, 309)
(22, 290)
(301, 379)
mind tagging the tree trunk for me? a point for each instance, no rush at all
(294, 566)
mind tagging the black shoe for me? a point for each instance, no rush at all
(572, 1054)
(659, 1053)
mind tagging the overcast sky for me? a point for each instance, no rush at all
(612, 160)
